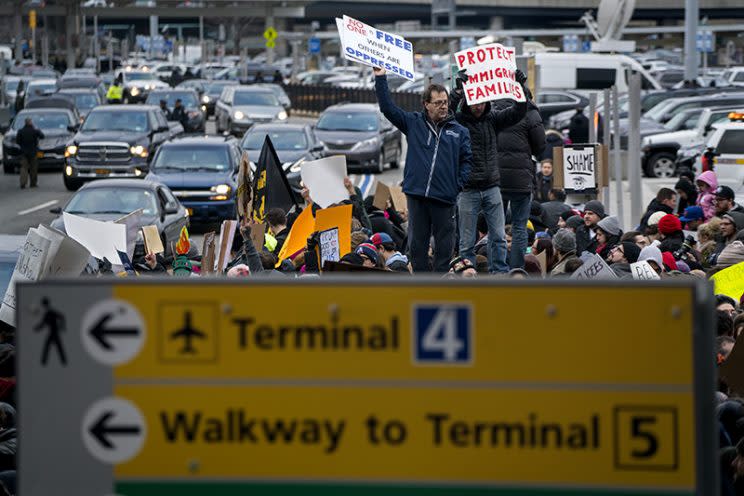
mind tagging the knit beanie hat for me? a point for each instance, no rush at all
(655, 218)
(610, 225)
(368, 250)
(669, 224)
(564, 241)
(574, 222)
(631, 250)
(596, 207)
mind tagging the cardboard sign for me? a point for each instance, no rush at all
(258, 235)
(382, 195)
(329, 246)
(375, 48)
(542, 257)
(302, 228)
(325, 180)
(594, 268)
(227, 234)
(336, 217)
(153, 243)
(730, 281)
(207, 266)
(400, 203)
(491, 71)
(642, 271)
(579, 169)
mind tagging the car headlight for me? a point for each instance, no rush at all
(139, 151)
(221, 189)
(71, 151)
(205, 99)
(281, 115)
(238, 115)
(134, 91)
(295, 167)
(204, 108)
(368, 143)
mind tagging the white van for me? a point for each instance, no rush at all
(589, 71)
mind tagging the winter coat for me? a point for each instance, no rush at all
(560, 267)
(552, 211)
(28, 140)
(705, 200)
(484, 130)
(653, 207)
(578, 129)
(281, 238)
(690, 191)
(516, 145)
(672, 242)
(544, 185)
(439, 156)
(584, 240)
(552, 139)
(8, 448)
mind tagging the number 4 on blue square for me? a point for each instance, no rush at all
(442, 334)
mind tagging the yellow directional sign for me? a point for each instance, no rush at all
(270, 44)
(32, 19)
(332, 387)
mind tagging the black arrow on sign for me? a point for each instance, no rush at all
(101, 333)
(101, 430)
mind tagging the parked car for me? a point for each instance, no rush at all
(58, 125)
(294, 144)
(240, 107)
(196, 117)
(734, 75)
(138, 84)
(115, 141)
(361, 133)
(727, 141)
(202, 173)
(111, 199)
(551, 102)
(85, 99)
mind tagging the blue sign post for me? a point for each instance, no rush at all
(313, 45)
(705, 42)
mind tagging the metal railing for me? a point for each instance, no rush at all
(315, 98)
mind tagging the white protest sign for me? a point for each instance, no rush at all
(330, 250)
(29, 267)
(579, 168)
(370, 46)
(594, 268)
(132, 221)
(102, 239)
(325, 180)
(642, 271)
(66, 256)
(490, 71)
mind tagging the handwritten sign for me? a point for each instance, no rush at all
(375, 48)
(29, 267)
(594, 268)
(330, 250)
(491, 71)
(642, 271)
(730, 281)
(579, 169)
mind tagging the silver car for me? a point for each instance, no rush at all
(240, 107)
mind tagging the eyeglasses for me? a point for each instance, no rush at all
(439, 103)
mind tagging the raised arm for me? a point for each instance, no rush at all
(394, 114)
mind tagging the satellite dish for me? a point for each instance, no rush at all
(613, 16)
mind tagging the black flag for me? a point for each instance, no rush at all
(270, 185)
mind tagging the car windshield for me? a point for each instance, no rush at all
(282, 140)
(191, 158)
(683, 120)
(11, 84)
(85, 100)
(348, 121)
(110, 120)
(41, 89)
(187, 98)
(112, 201)
(658, 111)
(214, 89)
(43, 120)
(254, 98)
(140, 76)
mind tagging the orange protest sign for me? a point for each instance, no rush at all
(339, 217)
(303, 227)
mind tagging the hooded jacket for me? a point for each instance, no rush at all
(516, 146)
(439, 156)
(397, 263)
(705, 200)
(690, 191)
(483, 137)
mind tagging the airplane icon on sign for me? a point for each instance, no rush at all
(187, 333)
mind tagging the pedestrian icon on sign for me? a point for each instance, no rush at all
(188, 333)
(55, 323)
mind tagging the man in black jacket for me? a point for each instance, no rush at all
(578, 130)
(28, 139)
(516, 146)
(481, 191)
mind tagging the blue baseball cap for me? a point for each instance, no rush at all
(692, 213)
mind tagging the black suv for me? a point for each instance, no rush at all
(115, 141)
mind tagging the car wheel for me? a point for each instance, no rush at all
(396, 161)
(71, 184)
(381, 162)
(8, 168)
(661, 165)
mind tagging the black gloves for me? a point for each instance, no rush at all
(462, 77)
(520, 77)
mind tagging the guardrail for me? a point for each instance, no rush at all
(315, 98)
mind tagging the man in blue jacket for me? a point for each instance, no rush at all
(437, 166)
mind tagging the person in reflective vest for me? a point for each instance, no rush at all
(115, 92)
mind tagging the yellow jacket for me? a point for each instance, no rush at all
(115, 92)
